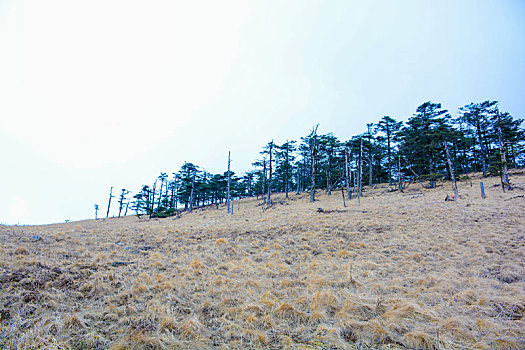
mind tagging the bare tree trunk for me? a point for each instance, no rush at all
(270, 177)
(204, 193)
(329, 186)
(399, 183)
(355, 182)
(154, 189)
(121, 200)
(192, 193)
(328, 177)
(389, 155)
(176, 197)
(347, 178)
(370, 178)
(506, 182)
(263, 193)
(451, 169)
(343, 193)
(312, 151)
(110, 197)
(287, 172)
(229, 184)
(359, 184)
(312, 187)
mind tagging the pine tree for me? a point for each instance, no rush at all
(419, 142)
(390, 127)
(327, 154)
(121, 200)
(284, 159)
(311, 145)
(475, 115)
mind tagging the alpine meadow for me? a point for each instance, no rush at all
(263, 175)
(410, 236)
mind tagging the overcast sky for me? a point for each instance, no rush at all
(104, 93)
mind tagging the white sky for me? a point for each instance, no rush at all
(98, 93)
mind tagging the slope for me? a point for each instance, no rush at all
(401, 270)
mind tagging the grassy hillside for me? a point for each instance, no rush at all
(402, 270)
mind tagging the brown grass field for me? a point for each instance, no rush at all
(401, 270)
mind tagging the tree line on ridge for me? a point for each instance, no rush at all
(431, 145)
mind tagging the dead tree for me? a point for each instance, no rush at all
(451, 169)
(175, 196)
(229, 184)
(360, 181)
(370, 149)
(506, 182)
(263, 192)
(355, 183)
(343, 189)
(287, 171)
(270, 151)
(313, 147)
(96, 211)
(153, 191)
(111, 196)
(347, 175)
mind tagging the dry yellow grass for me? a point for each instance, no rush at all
(402, 270)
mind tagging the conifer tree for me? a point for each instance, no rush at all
(496, 119)
(419, 141)
(311, 141)
(121, 200)
(269, 151)
(390, 127)
(285, 158)
(476, 115)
